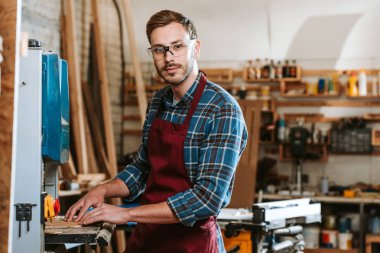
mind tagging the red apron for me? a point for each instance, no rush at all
(168, 177)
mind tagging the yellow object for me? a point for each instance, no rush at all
(49, 207)
(352, 86)
(243, 240)
(348, 193)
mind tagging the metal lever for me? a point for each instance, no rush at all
(293, 230)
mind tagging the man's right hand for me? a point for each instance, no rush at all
(94, 198)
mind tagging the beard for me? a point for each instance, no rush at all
(182, 73)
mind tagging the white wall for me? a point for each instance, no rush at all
(320, 34)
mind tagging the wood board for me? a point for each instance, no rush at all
(59, 231)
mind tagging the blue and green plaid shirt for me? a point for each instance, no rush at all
(215, 140)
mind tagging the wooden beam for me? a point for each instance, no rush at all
(10, 33)
(103, 79)
(106, 108)
(93, 165)
(94, 125)
(245, 178)
(76, 101)
(140, 87)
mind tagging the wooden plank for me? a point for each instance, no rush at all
(127, 8)
(106, 108)
(76, 101)
(10, 34)
(93, 165)
(135, 132)
(245, 178)
(325, 72)
(341, 103)
(131, 117)
(98, 177)
(59, 231)
(103, 79)
(369, 240)
(94, 125)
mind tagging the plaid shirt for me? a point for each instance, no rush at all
(215, 140)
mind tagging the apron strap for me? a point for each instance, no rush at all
(197, 97)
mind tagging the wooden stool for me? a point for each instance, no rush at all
(369, 239)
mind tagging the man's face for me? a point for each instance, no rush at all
(175, 63)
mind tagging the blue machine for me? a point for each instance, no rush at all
(41, 136)
(55, 109)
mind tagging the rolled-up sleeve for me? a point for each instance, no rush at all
(225, 139)
(134, 174)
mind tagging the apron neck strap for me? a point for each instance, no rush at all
(197, 96)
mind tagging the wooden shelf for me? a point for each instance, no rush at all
(300, 90)
(369, 240)
(363, 97)
(220, 75)
(371, 116)
(330, 103)
(249, 87)
(267, 80)
(307, 117)
(320, 148)
(324, 72)
(375, 141)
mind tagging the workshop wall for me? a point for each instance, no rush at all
(9, 29)
(320, 35)
(41, 20)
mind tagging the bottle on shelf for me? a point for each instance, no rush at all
(251, 70)
(374, 91)
(272, 70)
(281, 130)
(258, 68)
(285, 69)
(324, 185)
(278, 72)
(330, 86)
(352, 86)
(293, 69)
(343, 80)
(265, 69)
(321, 85)
(362, 83)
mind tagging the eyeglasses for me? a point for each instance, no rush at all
(176, 49)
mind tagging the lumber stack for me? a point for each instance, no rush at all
(92, 146)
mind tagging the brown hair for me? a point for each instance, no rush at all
(165, 17)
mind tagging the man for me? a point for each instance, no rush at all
(193, 137)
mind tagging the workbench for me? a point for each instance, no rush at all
(361, 202)
(59, 231)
